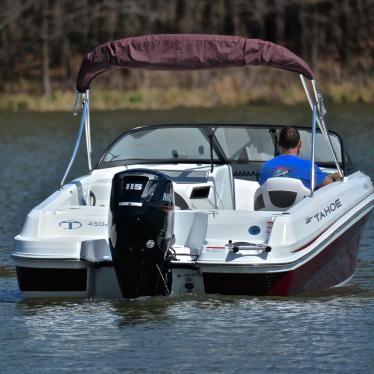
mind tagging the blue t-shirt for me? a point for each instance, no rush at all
(290, 166)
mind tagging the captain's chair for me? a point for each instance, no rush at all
(279, 194)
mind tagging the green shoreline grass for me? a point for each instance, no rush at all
(223, 93)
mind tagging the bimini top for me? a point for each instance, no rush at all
(186, 52)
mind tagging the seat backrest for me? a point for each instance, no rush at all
(279, 194)
(215, 192)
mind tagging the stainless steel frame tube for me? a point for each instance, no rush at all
(312, 157)
(88, 131)
(77, 142)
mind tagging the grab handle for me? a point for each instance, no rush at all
(244, 246)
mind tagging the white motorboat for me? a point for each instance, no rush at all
(174, 209)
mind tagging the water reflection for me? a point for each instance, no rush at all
(6, 272)
(144, 310)
(217, 333)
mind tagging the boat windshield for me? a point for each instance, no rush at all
(175, 144)
(232, 143)
(241, 143)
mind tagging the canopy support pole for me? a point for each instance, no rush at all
(87, 126)
(306, 91)
(79, 137)
(312, 157)
(321, 111)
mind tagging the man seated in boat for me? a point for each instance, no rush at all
(289, 164)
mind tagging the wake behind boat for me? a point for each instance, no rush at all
(173, 209)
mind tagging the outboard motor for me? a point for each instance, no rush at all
(141, 233)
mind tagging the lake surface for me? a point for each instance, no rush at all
(329, 332)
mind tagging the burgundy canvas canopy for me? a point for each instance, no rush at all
(186, 52)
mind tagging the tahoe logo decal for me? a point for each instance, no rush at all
(325, 212)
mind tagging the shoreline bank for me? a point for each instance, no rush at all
(224, 93)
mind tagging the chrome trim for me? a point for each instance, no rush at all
(312, 157)
(234, 247)
(321, 111)
(43, 257)
(306, 90)
(78, 95)
(128, 203)
(88, 132)
(77, 142)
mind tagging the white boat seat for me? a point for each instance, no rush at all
(279, 194)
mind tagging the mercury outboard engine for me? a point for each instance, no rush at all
(142, 206)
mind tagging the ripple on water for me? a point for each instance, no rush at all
(204, 334)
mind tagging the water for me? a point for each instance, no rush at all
(328, 332)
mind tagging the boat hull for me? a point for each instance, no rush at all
(63, 249)
(333, 265)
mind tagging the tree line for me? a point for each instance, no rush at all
(42, 41)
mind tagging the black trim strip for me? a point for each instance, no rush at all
(176, 265)
(97, 264)
(47, 279)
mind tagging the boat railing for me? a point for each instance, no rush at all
(320, 116)
(84, 124)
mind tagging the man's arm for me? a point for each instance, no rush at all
(331, 178)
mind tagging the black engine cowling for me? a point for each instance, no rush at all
(141, 233)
